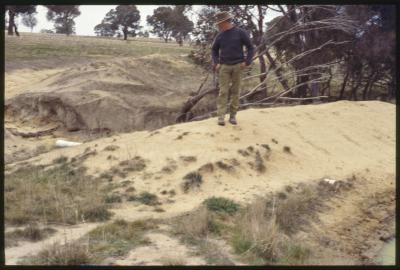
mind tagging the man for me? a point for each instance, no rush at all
(228, 60)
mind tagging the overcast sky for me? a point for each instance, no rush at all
(91, 15)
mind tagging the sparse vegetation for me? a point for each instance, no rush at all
(60, 159)
(145, 198)
(296, 209)
(192, 180)
(135, 164)
(226, 167)
(286, 149)
(188, 158)
(111, 148)
(266, 146)
(206, 168)
(259, 163)
(113, 198)
(274, 141)
(194, 225)
(170, 167)
(31, 233)
(57, 254)
(117, 238)
(243, 152)
(62, 194)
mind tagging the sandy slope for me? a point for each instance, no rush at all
(334, 140)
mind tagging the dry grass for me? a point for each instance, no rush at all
(63, 194)
(296, 209)
(43, 46)
(192, 180)
(224, 166)
(188, 158)
(31, 233)
(206, 168)
(195, 224)
(71, 253)
(176, 260)
(117, 238)
(111, 148)
(135, 164)
(258, 233)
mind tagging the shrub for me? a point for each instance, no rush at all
(220, 204)
(57, 254)
(192, 180)
(113, 198)
(146, 198)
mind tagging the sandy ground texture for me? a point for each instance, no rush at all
(335, 140)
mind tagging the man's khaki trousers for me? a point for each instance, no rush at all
(229, 74)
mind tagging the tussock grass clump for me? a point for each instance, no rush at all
(170, 167)
(258, 233)
(111, 148)
(188, 158)
(206, 168)
(118, 238)
(195, 224)
(60, 159)
(274, 141)
(62, 194)
(295, 210)
(259, 163)
(72, 253)
(172, 260)
(113, 198)
(192, 180)
(145, 198)
(226, 167)
(266, 146)
(135, 164)
(295, 254)
(220, 204)
(31, 233)
(107, 176)
(244, 153)
(287, 149)
(250, 148)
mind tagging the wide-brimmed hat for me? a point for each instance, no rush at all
(221, 17)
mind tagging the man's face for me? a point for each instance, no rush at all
(223, 25)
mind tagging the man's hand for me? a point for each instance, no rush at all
(243, 65)
(216, 67)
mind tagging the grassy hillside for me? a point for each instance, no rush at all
(33, 46)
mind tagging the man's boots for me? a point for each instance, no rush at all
(221, 121)
(232, 120)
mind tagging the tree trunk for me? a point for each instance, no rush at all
(263, 69)
(278, 73)
(125, 31)
(11, 16)
(302, 89)
(370, 77)
(343, 85)
(354, 90)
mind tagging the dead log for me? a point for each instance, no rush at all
(32, 134)
(191, 102)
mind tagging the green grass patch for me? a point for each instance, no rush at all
(117, 238)
(222, 205)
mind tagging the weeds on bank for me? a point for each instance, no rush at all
(62, 194)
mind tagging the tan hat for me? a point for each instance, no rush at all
(222, 16)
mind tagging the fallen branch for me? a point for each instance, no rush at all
(32, 134)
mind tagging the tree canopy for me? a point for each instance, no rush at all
(63, 17)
